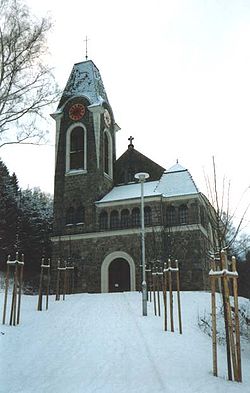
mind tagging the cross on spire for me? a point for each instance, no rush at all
(130, 141)
(86, 47)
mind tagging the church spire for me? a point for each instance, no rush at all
(85, 80)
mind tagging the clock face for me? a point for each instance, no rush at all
(76, 111)
(107, 118)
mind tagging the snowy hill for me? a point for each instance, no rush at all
(101, 343)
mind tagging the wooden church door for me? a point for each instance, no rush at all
(119, 275)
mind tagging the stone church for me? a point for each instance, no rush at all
(97, 226)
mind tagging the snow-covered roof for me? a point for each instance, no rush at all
(85, 79)
(130, 191)
(176, 181)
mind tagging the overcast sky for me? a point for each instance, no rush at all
(177, 74)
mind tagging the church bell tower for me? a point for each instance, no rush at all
(84, 151)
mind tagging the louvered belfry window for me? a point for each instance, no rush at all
(77, 148)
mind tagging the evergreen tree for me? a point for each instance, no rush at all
(25, 222)
(8, 212)
(36, 211)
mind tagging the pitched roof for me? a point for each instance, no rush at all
(132, 161)
(176, 181)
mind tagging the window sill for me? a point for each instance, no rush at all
(76, 224)
(107, 176)
(73, 172)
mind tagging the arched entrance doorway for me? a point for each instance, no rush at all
(117, 255)
(119, 275)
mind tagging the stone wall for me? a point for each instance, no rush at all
(87, 255)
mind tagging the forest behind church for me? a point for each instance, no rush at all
(25, 222)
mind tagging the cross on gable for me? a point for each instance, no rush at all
(130, 141)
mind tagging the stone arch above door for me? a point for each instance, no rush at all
(105, 269)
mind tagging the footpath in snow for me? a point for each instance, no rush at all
(93, 343)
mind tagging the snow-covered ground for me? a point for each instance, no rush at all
(93, 343)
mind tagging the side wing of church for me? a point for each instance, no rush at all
(97, 199)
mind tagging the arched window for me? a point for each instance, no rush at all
(103, 220)
(147, 215)
(170, 216)
(70, 216)
(183, 214)
(77, 148)
(125, 218)
(80, 215)
(114, 219)
(135, 217)
(107, 153)
(76, 155)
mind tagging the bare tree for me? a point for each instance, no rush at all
(221, 218)
(27, 84)
(224, 237)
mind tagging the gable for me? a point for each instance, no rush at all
(132, 162)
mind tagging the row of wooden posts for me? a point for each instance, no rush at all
(223, 275)
(64, 285)
(15, 309)
(161, 278)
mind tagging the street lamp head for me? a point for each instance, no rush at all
(142, 176)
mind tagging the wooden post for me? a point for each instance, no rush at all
(14, 297)
(236, 319)
(148, 280)
(64, 280)
(153, 277)
(40, 291)
(6, 290)
(70, 280)
(229, 315)
(48, 285)
(228, 346)
(41, 284)
(213, 303)
(20, 289)
(158, 290)
(73, 279)
(178, 295)
(170, 296)
(164, 292)
(58, 281)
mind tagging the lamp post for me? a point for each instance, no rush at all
(142, 177)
